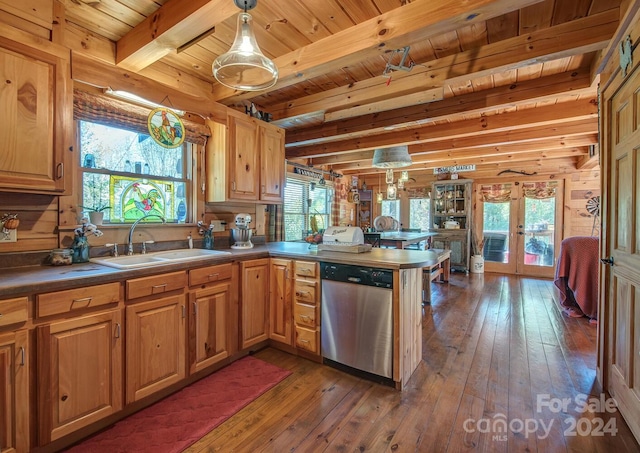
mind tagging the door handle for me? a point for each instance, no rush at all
(608, 260)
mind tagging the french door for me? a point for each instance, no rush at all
(521, 226)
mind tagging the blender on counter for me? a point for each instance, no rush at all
(241, 234)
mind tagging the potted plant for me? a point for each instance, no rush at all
(80, 246)
(96, 213)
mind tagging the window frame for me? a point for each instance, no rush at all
(306, 183)
(190, 151)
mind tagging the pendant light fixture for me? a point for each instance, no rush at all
(379, 195)
(244, 66)
(394, 157)
(391, 191)
(389, 176)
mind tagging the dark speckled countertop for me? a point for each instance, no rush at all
(30, 279)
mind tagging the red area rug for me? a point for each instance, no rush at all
(179, 420)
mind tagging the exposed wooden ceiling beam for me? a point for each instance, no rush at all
(547, 116)
(562, 165)
(415, 21)
(172, 25)
(572, 38)
(572, 146)
(537, 156)
(536, 90)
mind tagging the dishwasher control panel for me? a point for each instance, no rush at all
(360, 275)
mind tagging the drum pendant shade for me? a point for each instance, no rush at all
(394, 157)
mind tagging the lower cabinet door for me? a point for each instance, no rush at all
(155, 345)
(14, 392)
(79, 373)
(208, 332)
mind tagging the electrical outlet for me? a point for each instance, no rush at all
(11, 236)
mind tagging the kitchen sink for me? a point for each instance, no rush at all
(156, 258)
(187, 254)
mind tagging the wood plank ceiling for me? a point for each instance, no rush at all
(497, 83)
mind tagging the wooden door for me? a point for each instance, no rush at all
(254, 302)
(619, 311)
(208, 332)
(522, 232)
(271, 163)
(244, 159)
(281, 318)
(79, 373)
(155, 345)
(14, 392)
(35, 108)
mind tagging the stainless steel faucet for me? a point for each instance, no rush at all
(133, 227)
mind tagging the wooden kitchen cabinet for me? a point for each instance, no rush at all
(254, 302)
(306, 306)
(37, 117)
(14, 392)
(272, 164)
(209, 321)
(280, 316)
(79, 372)
(245, 160)
(156, 332)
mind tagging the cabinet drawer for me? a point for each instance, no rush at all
(209, 274)
(305, 291)
(306, 269)
(308, 339)
(306, 315)
(13, 311)
(74, 299)
(156, 284)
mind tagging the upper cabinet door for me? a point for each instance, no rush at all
(244, 158)
(36, 111)
(272, 163)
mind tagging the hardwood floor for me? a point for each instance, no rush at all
(496, 348)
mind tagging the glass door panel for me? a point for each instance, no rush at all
(496, 232)
(539, 228)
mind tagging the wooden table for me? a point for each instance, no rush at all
(401, 239)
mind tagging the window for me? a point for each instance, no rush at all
(391, 208)
(132, 175)
(419, 216)
(306, 205)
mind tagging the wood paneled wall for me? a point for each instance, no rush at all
(38, 215)
(579, 188)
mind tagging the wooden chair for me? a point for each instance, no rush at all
(439, 271)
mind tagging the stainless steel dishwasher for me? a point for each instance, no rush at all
(357, 318)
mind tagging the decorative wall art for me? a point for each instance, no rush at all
(166, 127)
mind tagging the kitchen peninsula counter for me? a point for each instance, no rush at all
(23, 280)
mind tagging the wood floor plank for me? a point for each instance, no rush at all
(497, 397)
(520, 407)
(491, 344)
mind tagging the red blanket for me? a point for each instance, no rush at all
(577, 274)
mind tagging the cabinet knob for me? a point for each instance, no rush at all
(64, 397)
